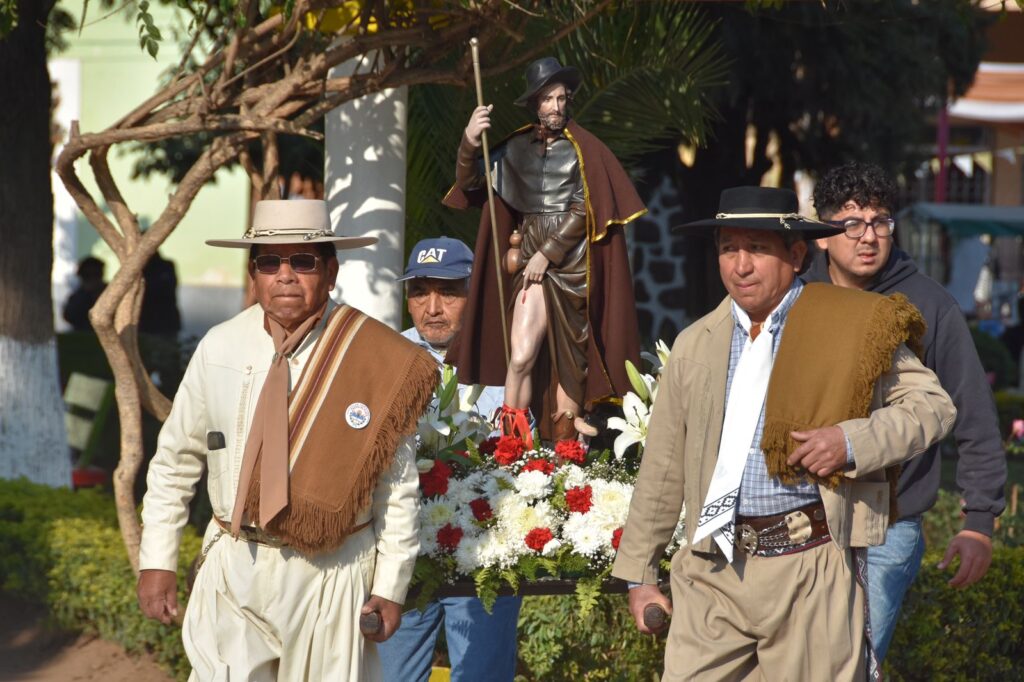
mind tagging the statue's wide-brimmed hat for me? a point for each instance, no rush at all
(292, 221)
(548, 70)
(761, 208)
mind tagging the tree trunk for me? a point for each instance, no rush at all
(33, 442)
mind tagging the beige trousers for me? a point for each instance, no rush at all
(798, 617)
(258, 613)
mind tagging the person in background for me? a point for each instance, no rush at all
(481, 645)
(860, 199)
(83, 298)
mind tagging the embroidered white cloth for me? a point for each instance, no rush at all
(742, 412)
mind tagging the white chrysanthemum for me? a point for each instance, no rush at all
(462, 491)
(575, 476)
(498, 482)
(520, 519)
(610, 501)
(436, 512)
(467, 555)
(428, 541)
(490, 549)
(587, 534)
(533, 485)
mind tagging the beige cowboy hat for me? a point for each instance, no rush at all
(292, 221)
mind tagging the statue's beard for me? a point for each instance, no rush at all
(553, 122)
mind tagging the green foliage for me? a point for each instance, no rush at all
(558, 642)
(149, 34)
(971, 634)
(944, 520)
(8, 16)
(809, 72)
(64, 549)
(995, 358)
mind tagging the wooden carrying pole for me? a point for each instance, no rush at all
(473, 46)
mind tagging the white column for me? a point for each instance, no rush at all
(364, 184)
(67, 73)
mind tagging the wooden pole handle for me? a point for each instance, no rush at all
(370, 623)
(473, 47)
(655, 617)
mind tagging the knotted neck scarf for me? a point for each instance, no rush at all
(268, 435)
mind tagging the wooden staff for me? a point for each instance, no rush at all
(473, 43)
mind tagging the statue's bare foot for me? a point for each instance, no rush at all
(584, 428)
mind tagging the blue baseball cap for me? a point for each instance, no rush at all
(441, 258)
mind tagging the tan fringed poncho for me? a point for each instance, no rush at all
(363, 389)
(848, 336)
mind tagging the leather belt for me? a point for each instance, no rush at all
(262, 537)
(779, 534)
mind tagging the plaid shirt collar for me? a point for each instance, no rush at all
(777, 318)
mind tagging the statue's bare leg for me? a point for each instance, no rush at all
(529, 329)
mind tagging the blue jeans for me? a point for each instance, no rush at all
(892, 568)
(481, 646)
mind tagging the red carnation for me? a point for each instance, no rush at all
(508, 450)
(537, 538)
(617, 537)
(540, 465)
(579, 499)
(571, 450)
(488, 446)
(435, 481)
(481, 509)
(448, 537)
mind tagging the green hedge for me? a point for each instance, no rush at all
(64, 549)
(962, 634)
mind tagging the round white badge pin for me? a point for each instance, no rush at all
(357, 415)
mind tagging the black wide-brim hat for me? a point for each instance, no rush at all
(548, 70)
(762, 208)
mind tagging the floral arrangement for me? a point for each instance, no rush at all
(497, 513)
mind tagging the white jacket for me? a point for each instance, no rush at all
(219, 394)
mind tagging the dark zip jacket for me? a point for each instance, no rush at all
(950, 353)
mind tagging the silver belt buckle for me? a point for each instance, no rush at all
(746, 538)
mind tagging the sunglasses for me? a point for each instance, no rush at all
(270, 263)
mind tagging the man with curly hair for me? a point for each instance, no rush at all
(860, 199)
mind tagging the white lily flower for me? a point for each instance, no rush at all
(468, 397)
(633, 426)
(663, 352)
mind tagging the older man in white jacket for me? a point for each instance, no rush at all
(311, 470)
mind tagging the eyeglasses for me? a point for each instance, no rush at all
(270, 263)
(854, 228)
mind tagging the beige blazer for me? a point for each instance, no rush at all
(910, 412)
(218, 394)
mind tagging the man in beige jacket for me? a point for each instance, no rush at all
(315, 510)
(776, 417)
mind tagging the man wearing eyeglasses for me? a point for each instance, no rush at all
(302, 414)
(860, 199)
(481, 645)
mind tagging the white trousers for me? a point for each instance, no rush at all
(262, 614)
